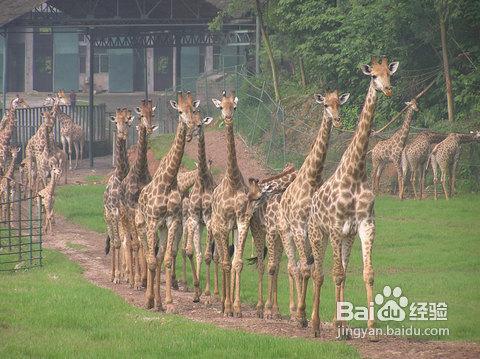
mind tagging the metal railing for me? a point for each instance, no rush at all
(20, 228)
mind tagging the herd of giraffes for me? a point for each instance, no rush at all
(293, 212)
(44, 162)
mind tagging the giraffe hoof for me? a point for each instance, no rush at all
(159, 307)
(302, 322)
(237, 313)
(208, 302)
(316, 332)
(116, 280)
(196, 298)
(373, 337)
(171, 309)
(149, 303)
(260, 313)
(138, 286)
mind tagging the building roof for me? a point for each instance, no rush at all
(13, 9)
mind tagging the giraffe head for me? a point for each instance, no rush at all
(14, 151)
(257, 194)
(48, 120)
(55, 169)
(123, 120)
(186, 108)
(147, 112)
(413, 104)
(19, 102)
(475, 135)
(332, 102)
(62, 98)
(228, 105)
(380, 73)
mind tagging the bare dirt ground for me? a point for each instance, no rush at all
(90, 255)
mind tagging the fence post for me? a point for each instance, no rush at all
(7, 215)
(40, 230)
(206, 94)
(19, 214)
(30, 205)
(252, 131)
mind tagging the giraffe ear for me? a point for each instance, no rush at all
(367, 70)
(196, 103)
(235, 100)
(319, 98)
(154, 128)
(207, 120)
(130, 120)
(217, 103)
(138, 111)
(392, 67)
(154, 108)
(112, 119)
(344, 98)
(174, 104)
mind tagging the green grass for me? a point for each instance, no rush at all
(428, 248)
(55, 312)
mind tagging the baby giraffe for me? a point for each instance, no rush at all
(47, 196)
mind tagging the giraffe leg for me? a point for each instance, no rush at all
(69, 142)
(453, 172)
(258, 235)
(270, 240)
(216, 264)
(197, 235)
(77, 152)
(147, 232)
(398, 168)
(175, 246)
(208, 260)
(275, 312)
(293, 273)
(433, 163)
(169, 262)
(366, 232)
(221, 239)
(422, 180)
(414, 180)
(319, 243)
(374, 174)
(299, 239)
(443, 178)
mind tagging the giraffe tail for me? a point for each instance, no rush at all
(107, 245)
(254, 260)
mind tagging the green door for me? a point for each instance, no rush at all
(189, 67)
(66, 62)
(120, 70)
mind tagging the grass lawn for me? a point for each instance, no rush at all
(54, 312)
(428, 248)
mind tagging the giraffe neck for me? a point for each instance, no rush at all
(468, 137)
(140, 167)
(168, 171)
(280, 184)
(121, 159)
(402, 134)
(9, 125)
(353, 159)
(436, 137)
(311, 170)
(203, 171)
(51, 184)
(186, 180)
(13, 104)
(10, 169)
(48, 143)
(233, 174)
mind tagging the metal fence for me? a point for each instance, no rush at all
(20, 228)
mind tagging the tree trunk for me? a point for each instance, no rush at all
(446, 68)
(302, 73)
(266, 39)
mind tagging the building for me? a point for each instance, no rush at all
(48, 44)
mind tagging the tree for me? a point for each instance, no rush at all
(442, 9)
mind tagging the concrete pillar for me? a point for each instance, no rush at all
(87, 65)
(150, 70)
(174, 68)
(29, 60)
(209, 59)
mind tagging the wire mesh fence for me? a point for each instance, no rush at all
(20, 227)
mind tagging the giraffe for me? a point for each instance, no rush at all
(445, 155)
(199, 213)
(7, 126)
(47, 196)
(112, 195)
(344, 205)
(185, 181)
(269, 212)
(7, 178)
(415, 156)
(35, 147)
(390, 150)
(295, 202)
(137, 178)
(232, 208)
(159, 206)
(48, 155)
(70, 132)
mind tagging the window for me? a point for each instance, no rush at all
(100, 61)
(82, 53)
(217, 57)
(201, 59)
